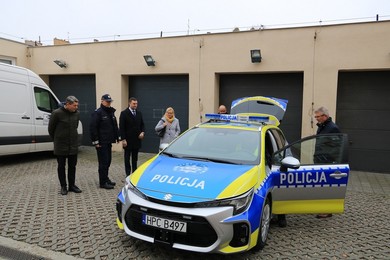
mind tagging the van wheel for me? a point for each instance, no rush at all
(264, 225)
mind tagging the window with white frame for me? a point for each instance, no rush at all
(8, 60)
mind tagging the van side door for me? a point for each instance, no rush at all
(16, 118)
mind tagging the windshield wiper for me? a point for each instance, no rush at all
(170, 154)
(206, 159)
(221, 161)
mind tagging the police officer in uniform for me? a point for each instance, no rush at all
(104, 131)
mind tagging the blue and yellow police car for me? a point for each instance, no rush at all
(215, 188)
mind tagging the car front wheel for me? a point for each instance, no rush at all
(264, 225)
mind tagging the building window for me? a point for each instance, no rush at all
(7, 60)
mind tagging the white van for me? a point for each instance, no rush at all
(25, 108)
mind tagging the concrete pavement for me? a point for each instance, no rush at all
(36, 222)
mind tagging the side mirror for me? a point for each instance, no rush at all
(289, 162)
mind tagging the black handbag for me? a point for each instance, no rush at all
(161, 132)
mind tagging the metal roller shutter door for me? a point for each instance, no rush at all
(363, 108)
(84, 88)
(154, 95)
(281, 85)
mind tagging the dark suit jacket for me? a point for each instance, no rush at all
(130, 127)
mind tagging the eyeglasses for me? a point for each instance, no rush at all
(319, 116)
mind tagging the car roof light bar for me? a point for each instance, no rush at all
(238, 118)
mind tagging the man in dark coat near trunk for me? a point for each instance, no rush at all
(63, 125)
(325, 126)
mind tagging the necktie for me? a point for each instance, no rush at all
(133, 112)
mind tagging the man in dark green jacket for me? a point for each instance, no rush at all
(63, 130)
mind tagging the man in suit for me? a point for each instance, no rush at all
(132, 129)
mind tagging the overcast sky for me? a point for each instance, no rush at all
(85, 20)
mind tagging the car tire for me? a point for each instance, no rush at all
(265, 221)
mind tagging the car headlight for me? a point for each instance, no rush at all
(239, 203)
(132, 188)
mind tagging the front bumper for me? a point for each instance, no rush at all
(208, 229)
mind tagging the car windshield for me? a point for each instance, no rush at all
(224, 145)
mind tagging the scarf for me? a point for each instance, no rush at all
(170, 120)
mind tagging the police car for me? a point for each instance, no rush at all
(215, 188)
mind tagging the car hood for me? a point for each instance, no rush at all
(260, 105)
(190, 181)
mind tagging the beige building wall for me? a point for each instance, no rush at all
(320, 52)
(14, 51)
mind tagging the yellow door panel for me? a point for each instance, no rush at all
(308, 206)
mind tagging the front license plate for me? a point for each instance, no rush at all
(164, 223)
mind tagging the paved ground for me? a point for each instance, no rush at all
(36, 222)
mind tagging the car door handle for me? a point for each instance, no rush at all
(338, 175)
(25, 117)
(39, 118)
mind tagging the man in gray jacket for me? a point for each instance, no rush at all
(63, 130)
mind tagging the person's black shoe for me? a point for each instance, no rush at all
(323, 215)
(74, 188)
(274, 219)
(64, 191)
(106, 186)
(111, 183)
(282, 222)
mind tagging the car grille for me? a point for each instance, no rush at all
(199, 231)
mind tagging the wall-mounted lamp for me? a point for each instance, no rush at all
(61, 63)
(149, 60)
(256, 56)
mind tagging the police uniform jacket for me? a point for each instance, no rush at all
(104, 126)
(130, 127)
(63, 130)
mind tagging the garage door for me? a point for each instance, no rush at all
(84, 88)
(155, 94)
(281, 85)
(362, 111)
